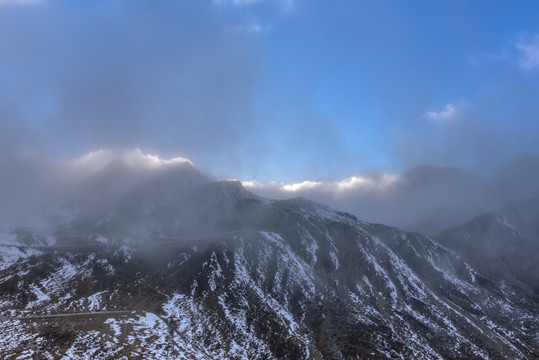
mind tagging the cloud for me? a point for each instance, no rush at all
(491, 126)
(353, 184)
(166, 77)
(302, 186)
(364, 195)
(528, 47)
(134, 158)
(449, 113)
(522, 50)
(388, 198)
(30, 182)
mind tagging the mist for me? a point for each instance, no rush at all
(291, 98)
(167, 77)
(427, 198)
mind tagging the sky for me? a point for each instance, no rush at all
(273, 91)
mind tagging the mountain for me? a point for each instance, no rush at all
(504, 243)
(235, 276)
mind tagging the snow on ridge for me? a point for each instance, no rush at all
(309, 244)
(300, 269)
(242, 277)
(193, 321)
(41, 298)
(334, 259)
(216, 271)
(387, 280)
(9, 255)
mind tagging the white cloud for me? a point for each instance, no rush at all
(350, 184)
(361, 182)
(528, 47)
(449, 113)
(133, 158)
(523, 50)
(304, 185)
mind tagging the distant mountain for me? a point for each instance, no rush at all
(239, 276)
(503, 244)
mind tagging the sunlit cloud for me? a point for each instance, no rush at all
(305, 185)
(356, 182)
(133, 158)
(350, 184)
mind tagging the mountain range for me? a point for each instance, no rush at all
(177, 265)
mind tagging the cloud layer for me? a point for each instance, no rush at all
(170, 77)
(425, 198)
(248, 90)
(30, 183)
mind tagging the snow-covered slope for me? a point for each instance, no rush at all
(248, 278)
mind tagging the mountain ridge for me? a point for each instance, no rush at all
(248, 277)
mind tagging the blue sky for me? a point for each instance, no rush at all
(274, 90)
